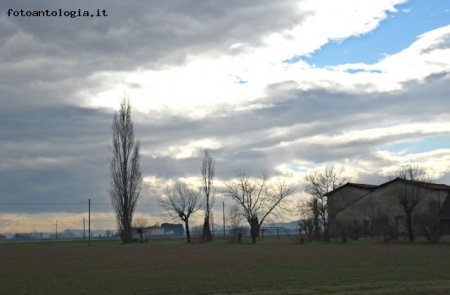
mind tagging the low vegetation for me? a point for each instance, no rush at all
(269, 267)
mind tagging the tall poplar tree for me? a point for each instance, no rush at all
(125, 171)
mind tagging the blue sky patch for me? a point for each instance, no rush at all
(396, 33)
(239, 80)
(418, 146)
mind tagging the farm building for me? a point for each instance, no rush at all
(154, 230)
(361, 209)
(444, 214)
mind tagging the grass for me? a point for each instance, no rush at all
(270, 267)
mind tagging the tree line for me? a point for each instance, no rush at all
(255, 198)
(317, 219)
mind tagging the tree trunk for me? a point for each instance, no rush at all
(316, 220)
(126, 233)
(328, 227)
(254, 229)
(129, 232)
(206, 233)
(410, 227)
(188, 234)
(326, 232)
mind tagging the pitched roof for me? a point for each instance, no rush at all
(358, 185)
(370, 187)
(445, 210)
(436, 186)
(362, 185)
(444, 214)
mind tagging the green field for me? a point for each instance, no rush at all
(270, 267)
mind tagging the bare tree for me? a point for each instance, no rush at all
(208, 171)
(307, 223)
(139, 224)
(181, 202)
(257, 199)
(306, 226)
(410, 191)
(125, 171)
(235, 218)
(319, 183)
(309, 212)
(430, 223)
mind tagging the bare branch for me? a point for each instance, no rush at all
(256, 198)
(182, 202)
(208, 171)
(319, 183)
(139, 224)
(410, 190)
(125, 171)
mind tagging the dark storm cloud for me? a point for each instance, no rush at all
(249, 139)
(54, 60)
(60, 154)
(138, 33)
(53, 151)
(54, 155)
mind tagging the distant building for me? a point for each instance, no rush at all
(149, 231)
(154, 230)
(2, 237)
(359, 209)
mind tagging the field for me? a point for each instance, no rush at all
(270, 267)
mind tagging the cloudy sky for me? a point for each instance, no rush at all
(287, 86)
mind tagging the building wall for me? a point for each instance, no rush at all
(343, 197)
(154, 231)
(341, 208)
(380, 211)
(148, 232)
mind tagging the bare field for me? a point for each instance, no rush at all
(271, 267)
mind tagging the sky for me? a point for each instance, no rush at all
(284, 86)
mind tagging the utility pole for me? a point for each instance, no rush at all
(212, 223)
(223, 212)
(89, 222)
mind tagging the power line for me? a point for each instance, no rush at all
(41, 204)
(66, 204)
(76, 204)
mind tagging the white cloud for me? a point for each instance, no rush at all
(205, 82)
(435, 162)
(426, 56)
(212, 76)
